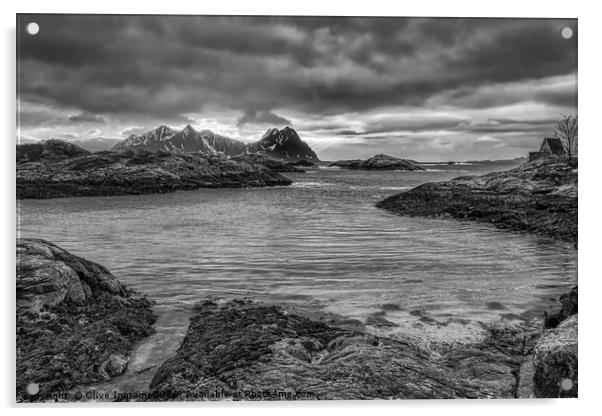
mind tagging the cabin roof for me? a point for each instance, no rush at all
(555, 145)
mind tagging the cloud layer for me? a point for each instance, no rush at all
(416, 87)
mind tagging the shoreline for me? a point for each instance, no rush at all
(539, 197)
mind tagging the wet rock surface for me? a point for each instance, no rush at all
(75, 322)
(47, 276)
(555, 360)
(110, 173)
(538, 197)
(377, 162)
(249, 351)
(568, 306)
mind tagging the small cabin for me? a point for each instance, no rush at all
(551, 146)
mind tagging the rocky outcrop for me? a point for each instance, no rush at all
(276, 144)
(249, 351)
(109, 173)
(377, 162)
(538, 197)
(555, 359)
(76, 323)
(272, 164)
(47, 276)
(48, 150)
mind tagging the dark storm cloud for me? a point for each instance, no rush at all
(164, 67)
(87, 118)
(263, 117)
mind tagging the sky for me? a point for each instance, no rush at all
(421, 88)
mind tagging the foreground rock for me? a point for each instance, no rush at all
(108, 173)
(568, 307)
(555, 360)
(76, 323)
(272, 164)
(249, 351)
(538, 197)
(555, 355)
(378, 162)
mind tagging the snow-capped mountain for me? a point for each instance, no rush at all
(282, 144)
(187, 140)
(152, 141)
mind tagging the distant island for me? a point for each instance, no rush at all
(378, 162)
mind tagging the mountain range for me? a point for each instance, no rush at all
(284, 144)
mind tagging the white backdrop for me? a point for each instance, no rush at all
(590, 118)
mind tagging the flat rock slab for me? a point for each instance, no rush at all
(249, 351)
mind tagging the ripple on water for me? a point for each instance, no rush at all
(320, 241)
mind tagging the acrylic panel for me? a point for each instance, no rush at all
(295, 208)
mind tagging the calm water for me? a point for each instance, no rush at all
(320, 242)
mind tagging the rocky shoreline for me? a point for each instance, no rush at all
(56, 169)
(243, 350)
(538, 197)
(76, 323)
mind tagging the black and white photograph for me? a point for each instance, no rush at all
(295, 208)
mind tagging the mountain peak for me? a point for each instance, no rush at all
(270, 132)
(285, 133)
(285, 144)
(164, 129)
(188, 129)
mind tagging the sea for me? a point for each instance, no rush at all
(320, 244)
